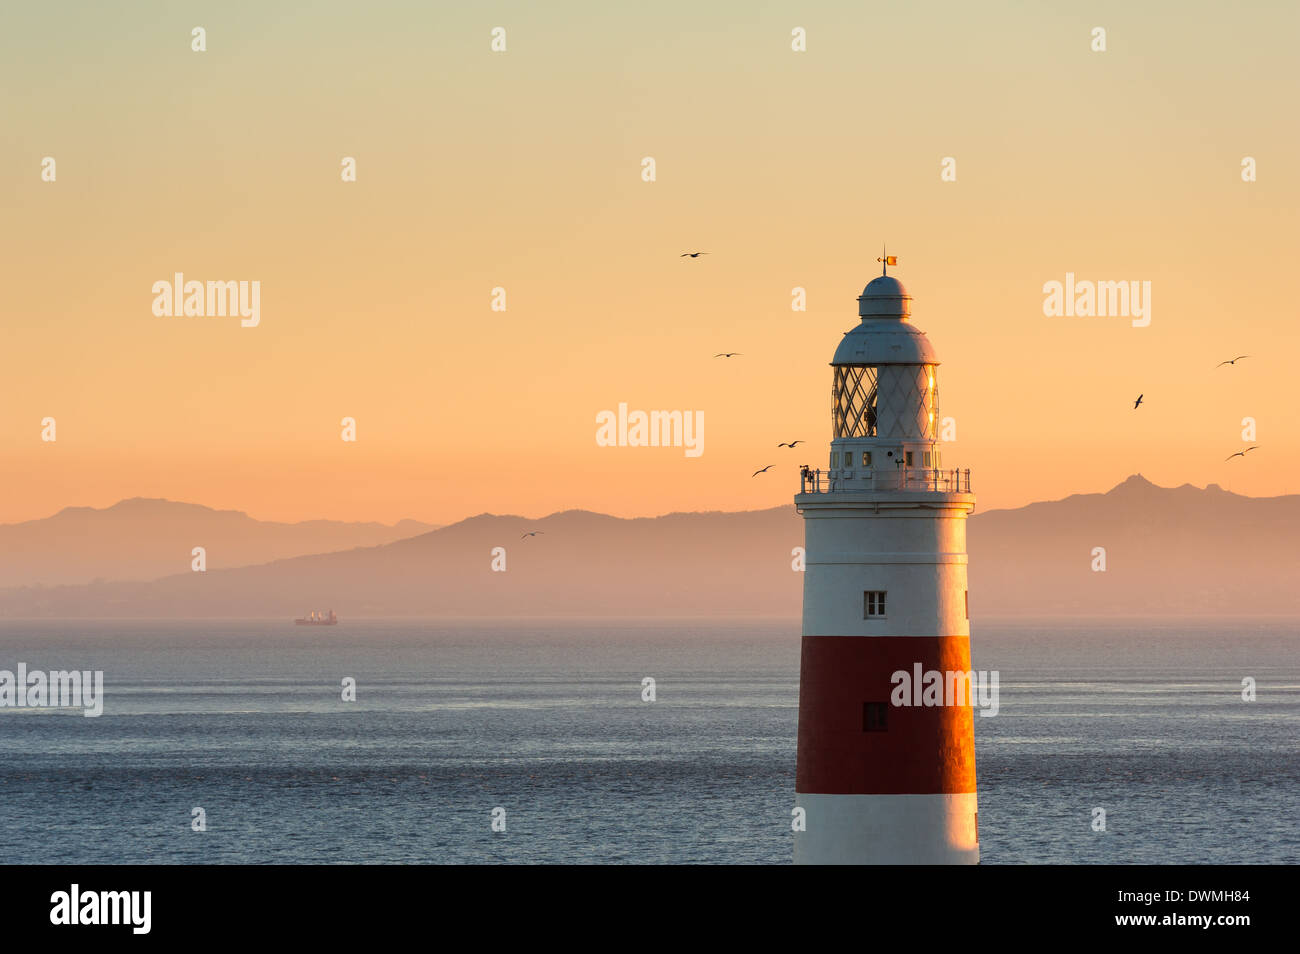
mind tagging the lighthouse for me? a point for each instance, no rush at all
(886, 775)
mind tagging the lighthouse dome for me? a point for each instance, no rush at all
(885, 335)
(885, 297)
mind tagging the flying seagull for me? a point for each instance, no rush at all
(1233, 361)
(1240, 453)
(727, 354)
(763, 471)
(692, 254)
(791, 444)
(532, 533)
(1137, 402)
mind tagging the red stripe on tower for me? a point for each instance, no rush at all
(854, 741)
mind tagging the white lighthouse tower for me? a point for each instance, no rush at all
(881, 778)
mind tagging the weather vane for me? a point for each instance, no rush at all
(886, 260)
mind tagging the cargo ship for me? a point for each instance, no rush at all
(315, 619)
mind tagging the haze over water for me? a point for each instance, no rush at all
(545, 719)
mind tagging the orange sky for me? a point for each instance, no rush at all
(522, 169)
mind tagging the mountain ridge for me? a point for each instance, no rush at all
(1180, 551)
(146, 538)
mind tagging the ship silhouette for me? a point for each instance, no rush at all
(316, 619)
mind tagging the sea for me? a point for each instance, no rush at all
(532, 741)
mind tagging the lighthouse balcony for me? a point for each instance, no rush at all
(911, 479)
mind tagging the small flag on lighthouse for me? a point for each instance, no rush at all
(889, 260)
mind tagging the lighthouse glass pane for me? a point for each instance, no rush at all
(907, 404)
(854, 402)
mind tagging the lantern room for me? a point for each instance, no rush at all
(885, 397)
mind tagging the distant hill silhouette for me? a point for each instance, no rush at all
(1169, 551)
(1181, 551)
(143, 539)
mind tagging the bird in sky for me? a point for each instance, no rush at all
(1232, 361)
(532, 533)
(1240, 453)
(763, 471)
(728, 354)
(791, 444)
(1137, 402)
(692, 254)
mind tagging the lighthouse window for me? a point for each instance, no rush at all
(854, 396)
(835, 459)
(873, 603)
(866, 458)
(909, 459)
(875, 717)
(926, 458)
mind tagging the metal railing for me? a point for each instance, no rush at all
(901, 478)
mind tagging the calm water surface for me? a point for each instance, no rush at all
(545, 719)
